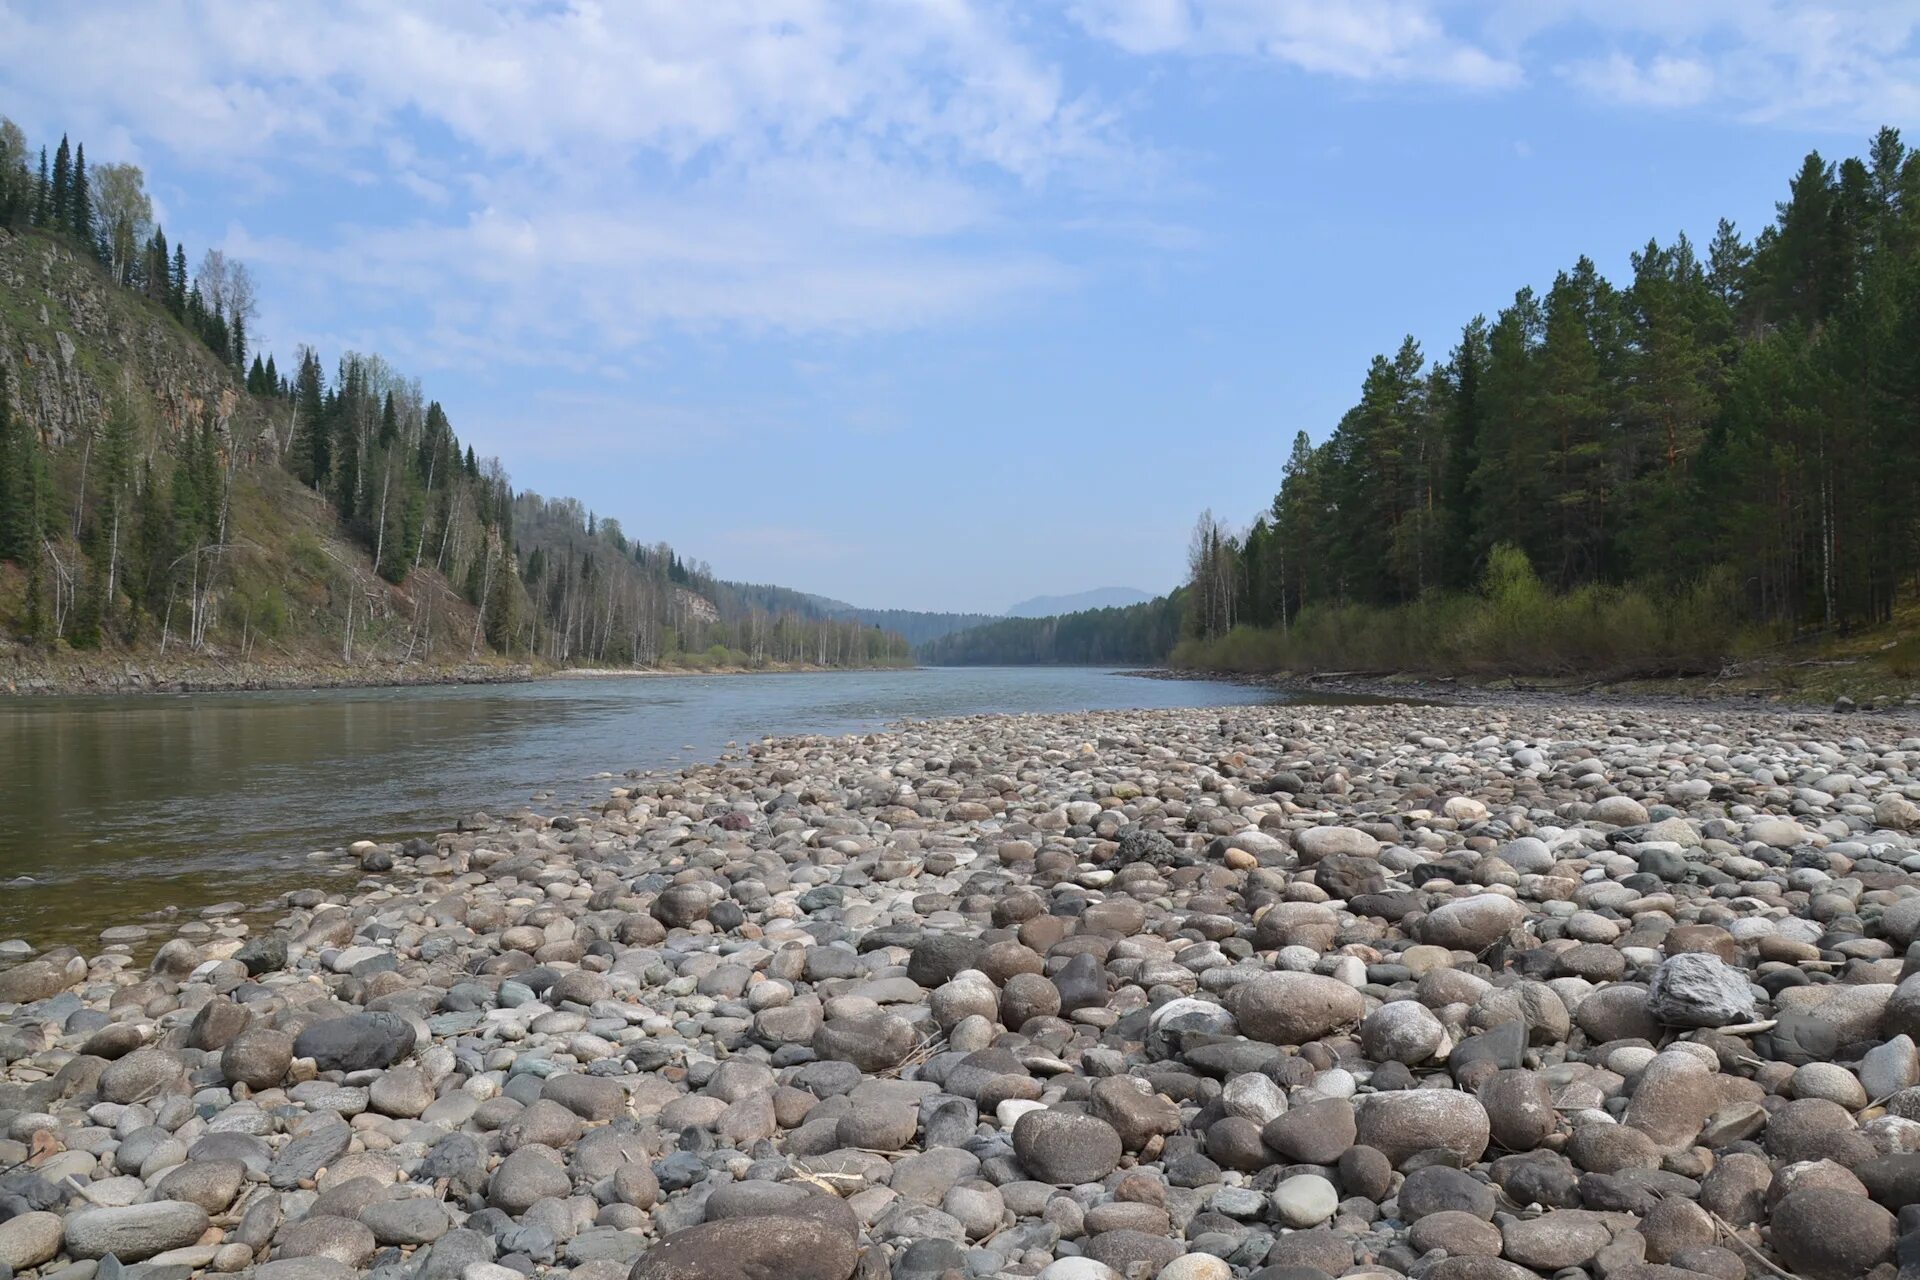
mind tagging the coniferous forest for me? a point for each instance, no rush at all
(200, 496)
(1722, 448)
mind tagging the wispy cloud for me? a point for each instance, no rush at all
(1659, 81)
(562, 183)
(1843, 64)
(574, 177)
(1365, 40)
(1832, 64)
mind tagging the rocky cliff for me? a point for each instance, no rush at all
(70, 340)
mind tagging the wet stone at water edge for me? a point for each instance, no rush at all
(1441, 993)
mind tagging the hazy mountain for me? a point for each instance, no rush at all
(1098, 598)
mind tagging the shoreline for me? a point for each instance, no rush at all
(1230, 971)
(1510, 691)
(114, 676)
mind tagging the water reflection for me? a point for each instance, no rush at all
(112, 805)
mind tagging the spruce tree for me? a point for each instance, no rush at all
(152, 553)
(80, 203)
(309, 407)
(42, 194)
(177, 283)
(16, 460)
(499, 615)
(159, 284)
(58, 195)
(108, 533)
(346, 459)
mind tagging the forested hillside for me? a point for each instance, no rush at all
(167, 490)
(1718, 451)
(1139, 634)
(916, 626)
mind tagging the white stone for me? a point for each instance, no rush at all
(1196, 1266)
(1077, 1269)
(1305, 1200)
(1013, 1108)
(1255, 1097)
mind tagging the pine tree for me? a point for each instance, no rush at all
(1796, 263)
(1465, 414)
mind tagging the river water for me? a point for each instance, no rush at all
(112, 807)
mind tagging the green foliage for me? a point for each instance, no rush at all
(1739, 432)
(1514, 625)
(20, 489)
(1134, 634)
(501, 611)
(1903, 659)
(16, 179)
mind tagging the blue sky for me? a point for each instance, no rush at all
(934, 303)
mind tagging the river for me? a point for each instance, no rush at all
(113, 807)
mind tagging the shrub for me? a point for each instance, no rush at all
(1513, 625)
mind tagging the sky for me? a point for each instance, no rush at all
(933, 304)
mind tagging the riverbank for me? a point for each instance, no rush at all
(1176, 993)
(1543, 691)
(76, 674)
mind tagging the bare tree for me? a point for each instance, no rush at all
(124, 212)
(16, 182)
(1211, 567)
(241, 299)
(211, 278)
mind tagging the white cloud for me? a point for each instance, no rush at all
(1395, 40)
(561, 83)
(574, 176)
(560, 182)
(1660, 81)
(1841, 64)
(1845, 64)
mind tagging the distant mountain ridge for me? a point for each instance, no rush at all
(917, 626)
(1079, 602)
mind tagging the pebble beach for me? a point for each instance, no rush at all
(1483, 992)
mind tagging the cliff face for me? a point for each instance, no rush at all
(287, 587)
(150, 545)
(70, 340)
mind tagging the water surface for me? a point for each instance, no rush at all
(113, 806)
